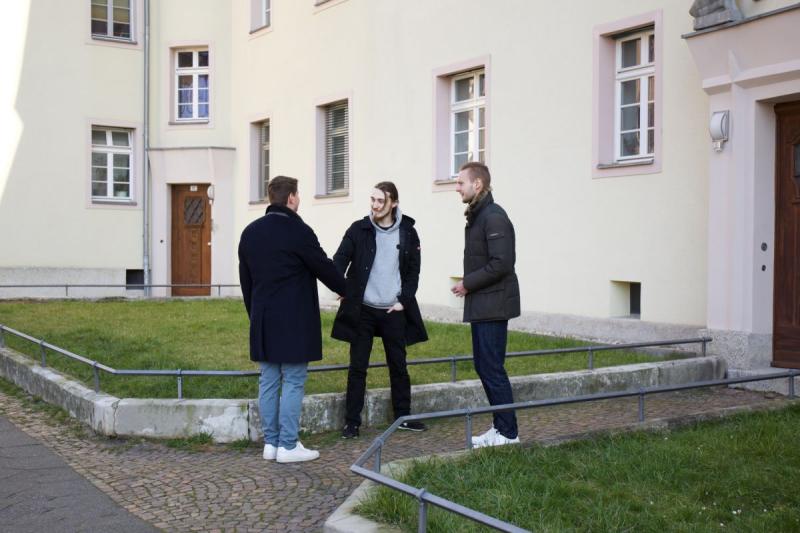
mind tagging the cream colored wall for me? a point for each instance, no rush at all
(575, 234)
(57, 81)
(192, 153)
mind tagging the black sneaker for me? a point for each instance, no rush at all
(350, 431)
(412, 425)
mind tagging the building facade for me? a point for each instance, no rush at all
(140, 135)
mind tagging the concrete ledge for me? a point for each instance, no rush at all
(780, 386)
(229, 420)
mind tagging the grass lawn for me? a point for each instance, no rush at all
(212, 335)
(738, 474)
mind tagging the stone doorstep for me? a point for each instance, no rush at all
(229, 420)
(345, 520)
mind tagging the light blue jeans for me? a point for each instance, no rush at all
(280, 399)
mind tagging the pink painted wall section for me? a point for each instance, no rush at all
(604, 65)
(761, 51)
(745, 69)
(441, 116)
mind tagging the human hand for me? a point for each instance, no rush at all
(396, 307)
(459, 290)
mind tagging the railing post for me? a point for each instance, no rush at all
(791, 386)
(453, 369)
(705, 341)
(377, 465)
(591, 359)
(219, 291)
(2, 336)
(44, 352)
(422, 522)
(468, 431)
(641, 405)
(96, 373)
(180, 385)
(66, 290)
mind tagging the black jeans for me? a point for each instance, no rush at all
(391, 327)
(489, 355)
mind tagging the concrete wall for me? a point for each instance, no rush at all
(229, 420)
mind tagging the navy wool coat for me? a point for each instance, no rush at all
(280, 260)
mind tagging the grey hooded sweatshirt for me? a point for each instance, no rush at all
(383, 286)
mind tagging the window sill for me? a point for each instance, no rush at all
(625, 164)
(261, 29)
(331, 195)
(114, 40)
(182, 122)
(109, 201)
(444, 182)
(258, 202)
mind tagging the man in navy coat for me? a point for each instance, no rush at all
(280, 260)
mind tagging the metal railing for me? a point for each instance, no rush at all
(180, 374)
(127, 286)
(425, 498)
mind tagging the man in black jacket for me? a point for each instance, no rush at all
(280, 260)
(491, 293)
(383, 256)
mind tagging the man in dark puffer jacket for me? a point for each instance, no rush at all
(491, 293)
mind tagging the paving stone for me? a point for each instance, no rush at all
(225, 490)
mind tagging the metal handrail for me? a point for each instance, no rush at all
(134, 286)
(425, 498)
(179, 374)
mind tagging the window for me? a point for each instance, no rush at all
(260, 14)
(337, 148)
(263, 159)
(111, 19)
(191, 85)
(111, 164)
(467, 119)
(634, 123)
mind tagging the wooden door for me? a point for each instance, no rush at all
(191, 239)
(786, 298)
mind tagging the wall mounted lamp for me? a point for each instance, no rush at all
(718, 128)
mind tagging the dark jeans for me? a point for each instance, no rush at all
(391, 327)
(489, 353)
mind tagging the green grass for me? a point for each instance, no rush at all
(738, 474)
(212, 335)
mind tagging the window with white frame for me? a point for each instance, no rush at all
(467, 119)
(263, 159)
(112, 19)
(112, 158)
(191, 85)
(634, 121)
(337, 148)
(260, 14)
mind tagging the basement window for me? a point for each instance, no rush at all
(626, 299)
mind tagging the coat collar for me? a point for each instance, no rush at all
(281, 210)
(472, 212)
(406, 222)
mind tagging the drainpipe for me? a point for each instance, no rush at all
(146, 165)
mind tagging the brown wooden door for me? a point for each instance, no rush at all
(191, 239)
(786, 303)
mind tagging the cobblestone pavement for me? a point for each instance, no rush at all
(224, 489)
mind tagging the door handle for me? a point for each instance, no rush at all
(209, 243)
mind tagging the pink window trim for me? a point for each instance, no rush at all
(604, 65)
(441, 117)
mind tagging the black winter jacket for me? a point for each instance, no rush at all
(280, 260)
(357, 251)
(489, 257)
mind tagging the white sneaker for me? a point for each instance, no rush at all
(498, 440)
(297, 454)
(481, 440)
(270, 452)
